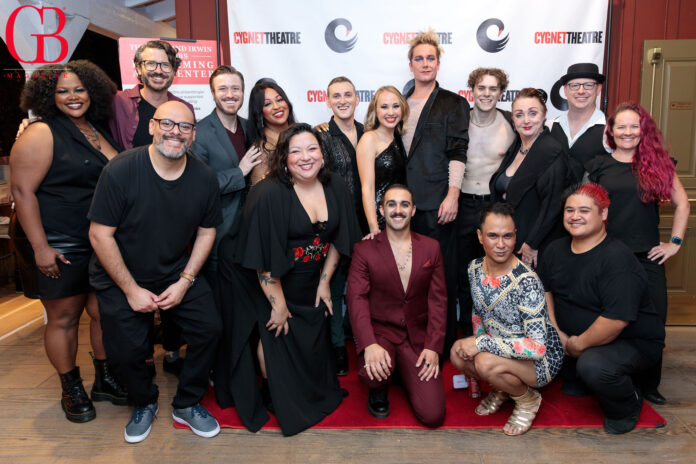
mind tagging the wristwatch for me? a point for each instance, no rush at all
(188, 277)
(676, 240)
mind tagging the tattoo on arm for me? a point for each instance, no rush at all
(324, 277)
(272, 299)
(266, 279)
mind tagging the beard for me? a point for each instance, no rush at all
(145, 79)
(159, 145)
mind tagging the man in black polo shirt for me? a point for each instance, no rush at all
(598, 299)
(149, 204)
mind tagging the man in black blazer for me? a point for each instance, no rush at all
(221, 144)
(436, 140)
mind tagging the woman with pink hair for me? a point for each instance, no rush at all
(640, 176)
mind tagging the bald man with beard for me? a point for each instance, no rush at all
(149, 204)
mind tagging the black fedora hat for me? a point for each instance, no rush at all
(578, 70)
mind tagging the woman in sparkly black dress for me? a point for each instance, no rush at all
(380, 152)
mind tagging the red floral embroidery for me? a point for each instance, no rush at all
(314, 252)
(518, 347)
(531, 345)
(492, 281)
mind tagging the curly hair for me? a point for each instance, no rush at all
(174, 60)
(651, 163)
(255, 124)
(371, 121)
(39, 91)
(428, 37)
(500, 75)
(529, 92)
(278, 164)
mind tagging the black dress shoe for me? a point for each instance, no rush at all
(341, 357)
(378, 402)
(655, 397)
(625, 424)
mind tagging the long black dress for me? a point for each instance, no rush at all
(277, 236)
(390, 168)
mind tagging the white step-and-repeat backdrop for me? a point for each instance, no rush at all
(303, 45)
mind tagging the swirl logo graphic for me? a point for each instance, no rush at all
(488, 44)
(336, 44)
(557, 101)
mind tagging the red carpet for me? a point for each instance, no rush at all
(557, 410)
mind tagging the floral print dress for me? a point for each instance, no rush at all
(510, 319)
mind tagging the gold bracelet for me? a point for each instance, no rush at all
(188, 277)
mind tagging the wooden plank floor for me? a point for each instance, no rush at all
(34, 429)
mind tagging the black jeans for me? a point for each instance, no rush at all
(127, 342)
(425, 223)
(607, 370)
(468, 249)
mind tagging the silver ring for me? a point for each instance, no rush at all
(383, 363)
(366, 366)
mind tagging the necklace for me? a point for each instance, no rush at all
(407, 259)
(529, 147)
(478, 124)
(91, 135)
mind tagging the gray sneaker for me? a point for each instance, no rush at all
(141, 423)
(201, 422)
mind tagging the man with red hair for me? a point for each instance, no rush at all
(598, 298)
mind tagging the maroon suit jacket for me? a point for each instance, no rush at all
(377, 303)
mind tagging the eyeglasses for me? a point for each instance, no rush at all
(167, 125)
(165, 66)
(585, 85)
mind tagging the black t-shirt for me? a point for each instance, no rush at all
(605, 281)
(142, 134)
(156, 219)
(630, 220)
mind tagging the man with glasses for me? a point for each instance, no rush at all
(156, 64)
(581, 130)
(150, 203)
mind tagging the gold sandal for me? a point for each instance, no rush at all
(491, 403)
(526, 408)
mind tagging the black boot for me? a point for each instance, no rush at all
(106, 387)
(75, 402)
(378, 402)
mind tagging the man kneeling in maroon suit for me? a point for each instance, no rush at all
(397, 304)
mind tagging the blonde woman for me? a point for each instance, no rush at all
(380, 153)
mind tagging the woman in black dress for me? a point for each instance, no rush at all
(380, 153)
(55, 166)
(274, 286)
(532, 177)
(639, 176)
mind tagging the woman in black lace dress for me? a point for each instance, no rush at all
(274, 288)
(380, 152)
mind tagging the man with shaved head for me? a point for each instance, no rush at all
(149, 204)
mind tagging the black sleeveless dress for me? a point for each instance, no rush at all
(390, 168)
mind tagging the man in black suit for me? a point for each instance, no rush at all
(436, 140)
(221, 144)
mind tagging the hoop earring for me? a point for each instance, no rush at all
(287, 173)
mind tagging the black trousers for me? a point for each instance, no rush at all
(657, 287)
(425, 223)
(468, 249)
(127, 342)
(608, 371)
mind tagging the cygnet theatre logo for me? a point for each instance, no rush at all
(557, 100)
(488, 44)
(340, 45)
